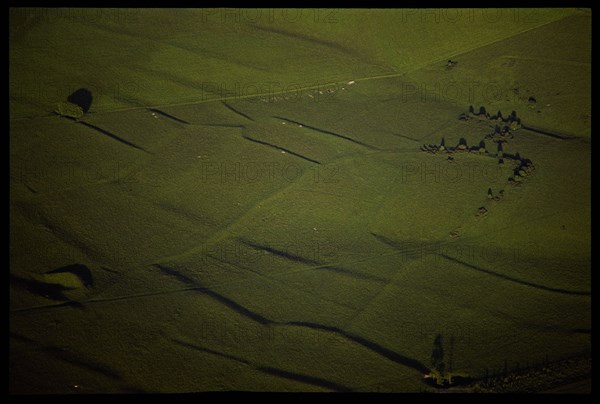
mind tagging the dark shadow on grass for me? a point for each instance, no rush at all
(327, 132)
(47, 290)
(111, 135)
(82, 97)
(353, 274)
(516, 280)
(76, 360)
(223, 125)
(406, 137)
(158, 111)
(235, 306)
(389, 354)
(555, 135)
(69, 357)
(279, 253)
(409, 249)
(261, 142)
(315, 381)
(235, 111)
(311, 40)
(373, 346)
(174, 273)
(392, 243)
(211, 351)
(280, 149)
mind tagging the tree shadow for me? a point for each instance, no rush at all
(82, 97)
(437, 354)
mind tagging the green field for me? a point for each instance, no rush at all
(248, 196)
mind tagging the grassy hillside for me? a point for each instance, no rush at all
(132, 58)
(249, 196)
